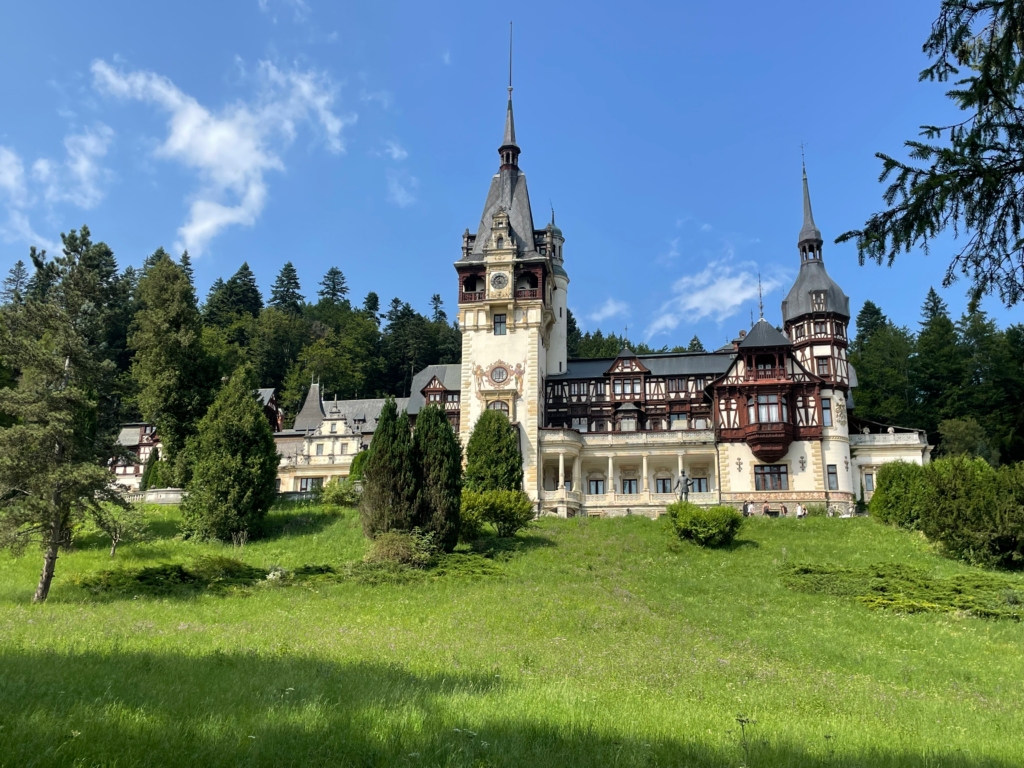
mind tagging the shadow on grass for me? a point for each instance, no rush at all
(143, 709)
(499, 548)
(298, 522)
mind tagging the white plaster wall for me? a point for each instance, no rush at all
(557, 355)
(742, 480)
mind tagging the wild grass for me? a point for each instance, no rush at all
(601, 642)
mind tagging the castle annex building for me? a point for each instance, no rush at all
(768, 417)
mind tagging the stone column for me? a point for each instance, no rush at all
(680, 472)
(610, 482)
(561, 470)
(577, 475)
(644, 487)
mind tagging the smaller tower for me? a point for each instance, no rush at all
(557, 353)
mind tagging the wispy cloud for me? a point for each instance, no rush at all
(669, 256)
(446, 57)
(382, 97)
(395, 150)
(611, 308)
(717, 292)
(401, 188)
(300, 8)
(12, 176)
(78, 179)
(231, 150)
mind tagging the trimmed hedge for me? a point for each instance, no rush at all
(707, 527)
(898, 490)
(507, 511)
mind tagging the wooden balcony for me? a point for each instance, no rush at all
(769, 440)
(766, 374)
(528, 293)
(470, 297)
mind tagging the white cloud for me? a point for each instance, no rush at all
(78, 179)
(300, 8)
(671, 255)
(395, 150)
(384, 98)
(19, 229)
(611, 308)
(231, 150)
(718, 292)
(706, 227)
(401, 188)
(12, 176)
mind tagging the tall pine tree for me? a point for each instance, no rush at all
(333, 287)
(938, 369)
(285, 294)
(15, 284)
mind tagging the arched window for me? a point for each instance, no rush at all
(498, 405)
(501, 241)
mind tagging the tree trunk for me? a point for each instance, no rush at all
(113, 547)
(49, 560)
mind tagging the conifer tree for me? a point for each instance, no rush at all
(333, 287)
(695, 345)
(215, 308)
(186, 266)
(439, 460)
(234, 476)
(438, 315)
(242, 293)
(15, 284)
(147, 469)
(938, 369)
(285, 294)
(493, 459)
(573, 337)
(173, 373)
(869, 320)
(390, 497)
(54, 460)
(371, 306)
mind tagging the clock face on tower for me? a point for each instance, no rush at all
(499, 281)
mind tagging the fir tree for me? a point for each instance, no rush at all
(185, 262)
(439, 460)
(158, 255)
(493, 459)
(43, 277)
(938, 368)
(695, 345)
(242, 294)
(573, 337)
(371, 306)
(54, 460)
(215, 308)
(15, 284)
(390, 497)
(437, 308)
(333, 287)
(869, 320)
(174, 375)
(285, 295)
(147, 470)
(234, 477)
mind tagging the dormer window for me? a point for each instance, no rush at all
(818, 301)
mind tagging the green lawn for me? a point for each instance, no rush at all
(597, 643)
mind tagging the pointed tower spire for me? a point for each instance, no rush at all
(810, 236)
(760, 296)
(509, 150)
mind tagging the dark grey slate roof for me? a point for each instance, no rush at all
(813, 278)
(361, 415)
(264, 395)
(679, 364)
(625, 352)
(312, 411)
(508, 192)
(129, 434)
(449, 375)
(764, 334)
(509, 139)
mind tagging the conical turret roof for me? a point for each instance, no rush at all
(809, 231)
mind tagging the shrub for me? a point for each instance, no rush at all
(122, 524)
(415, 549)
(968, 508)
(471, 516)
(493, 459)
(707, 527)
(817, 510)
(439, 461)
(233, 479)
(898, 492)
(390, 490)
(507, 511)
(340, 493)
(355, 472)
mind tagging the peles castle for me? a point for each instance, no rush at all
(767, 417)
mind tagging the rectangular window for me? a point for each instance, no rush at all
(700, 485)
(617, 386)
(771, 477)
(818, 301)
(580, 424)
(670, 385)
(334, 427)
(826, 411)
(343, 448)
(677, 420)
(627, 387)
(319, 449)
(451, 397)
(823, 366)
(629, 487)
(699, 384)
(574, 388)
(636, 387)
(627, 425)
(599, 389)
(499, 325)
(700, 424)
(869, 482)
(308, 484)
(663, 485)
(833, 478)
(798, 331)
(596, 487)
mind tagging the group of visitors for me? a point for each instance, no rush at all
(750, 509)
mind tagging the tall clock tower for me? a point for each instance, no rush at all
(512, 308)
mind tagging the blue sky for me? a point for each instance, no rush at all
(363, 135)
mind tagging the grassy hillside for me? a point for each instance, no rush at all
(595, 643)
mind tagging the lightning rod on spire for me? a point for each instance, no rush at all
(510, 60)
(760, 298)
